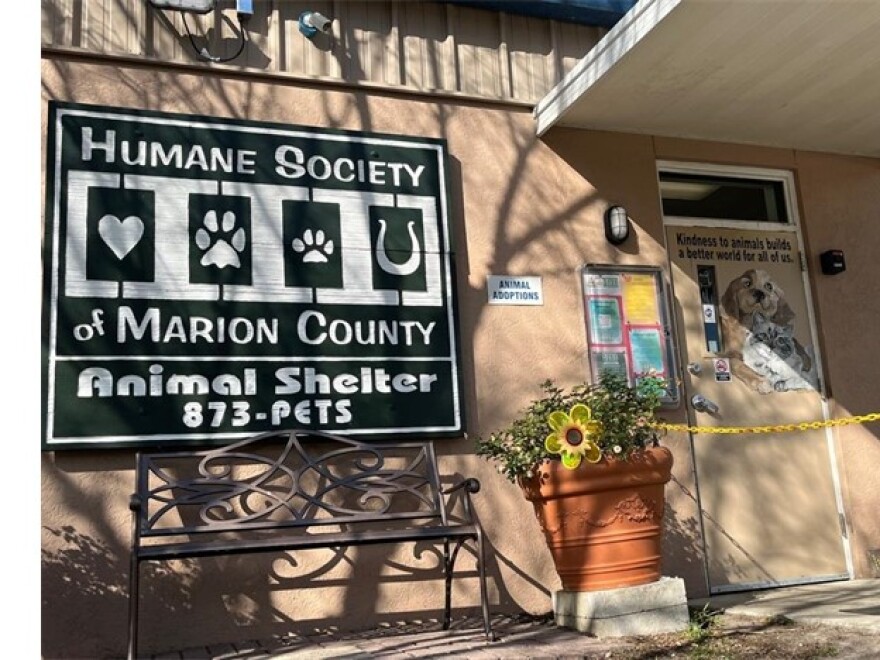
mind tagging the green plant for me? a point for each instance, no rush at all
(701, 623)
(778, 620)
(619, 420)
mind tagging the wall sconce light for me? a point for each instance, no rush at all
(616, 225)
(311, 22)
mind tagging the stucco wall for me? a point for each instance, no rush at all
(841, 197)
(517, 208)
(520, 206)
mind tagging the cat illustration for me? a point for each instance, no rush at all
(771, 351)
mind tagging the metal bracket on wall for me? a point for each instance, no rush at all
(244, 11)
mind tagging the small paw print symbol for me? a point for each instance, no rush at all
(316, 246)
(218, 251)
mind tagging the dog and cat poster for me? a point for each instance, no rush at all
(761, 309)
(758, 332)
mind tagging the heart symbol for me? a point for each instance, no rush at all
(121, 235)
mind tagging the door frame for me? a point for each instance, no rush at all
(787, 178)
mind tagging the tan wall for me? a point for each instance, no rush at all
(520, 206)
(841, 198)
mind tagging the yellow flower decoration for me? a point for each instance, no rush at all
(573, 435)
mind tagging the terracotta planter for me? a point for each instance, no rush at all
(603, 521)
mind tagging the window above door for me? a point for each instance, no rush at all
(723, 197)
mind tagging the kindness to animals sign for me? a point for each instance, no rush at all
(207, 279)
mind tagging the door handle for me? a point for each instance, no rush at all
(702, 404)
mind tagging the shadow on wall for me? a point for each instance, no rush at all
(86, 582)
(682, 535)
(227, 599)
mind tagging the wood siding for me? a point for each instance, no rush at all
(420, 46)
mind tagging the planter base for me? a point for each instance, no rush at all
(647, 609)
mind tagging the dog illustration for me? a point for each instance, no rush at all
(753, 292)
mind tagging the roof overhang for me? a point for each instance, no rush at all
(602, 13)
(799, 74)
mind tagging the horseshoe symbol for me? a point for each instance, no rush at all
(410, 265)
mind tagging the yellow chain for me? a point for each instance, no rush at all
(776, 428)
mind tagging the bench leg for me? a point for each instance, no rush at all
(449, 564)
(133, 584)
(484, 591)
(447, 571)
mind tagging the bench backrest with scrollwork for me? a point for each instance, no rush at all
(287, 480)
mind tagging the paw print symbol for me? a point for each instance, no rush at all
(218, 251)
(315, 246)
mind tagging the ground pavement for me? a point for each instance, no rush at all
(839, 619)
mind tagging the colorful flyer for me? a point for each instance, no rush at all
(647, 350)
(606, 326)
(611, 362)
(640, 299)
(602, 284)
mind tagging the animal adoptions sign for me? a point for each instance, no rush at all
(209, 279)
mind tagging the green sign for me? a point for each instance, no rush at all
(209, 279)
(605, 322)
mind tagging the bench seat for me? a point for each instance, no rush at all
(188, 550)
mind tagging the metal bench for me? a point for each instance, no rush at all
(296, 490)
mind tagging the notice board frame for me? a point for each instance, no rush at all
(629, 325)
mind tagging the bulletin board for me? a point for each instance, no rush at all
(629, 332)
